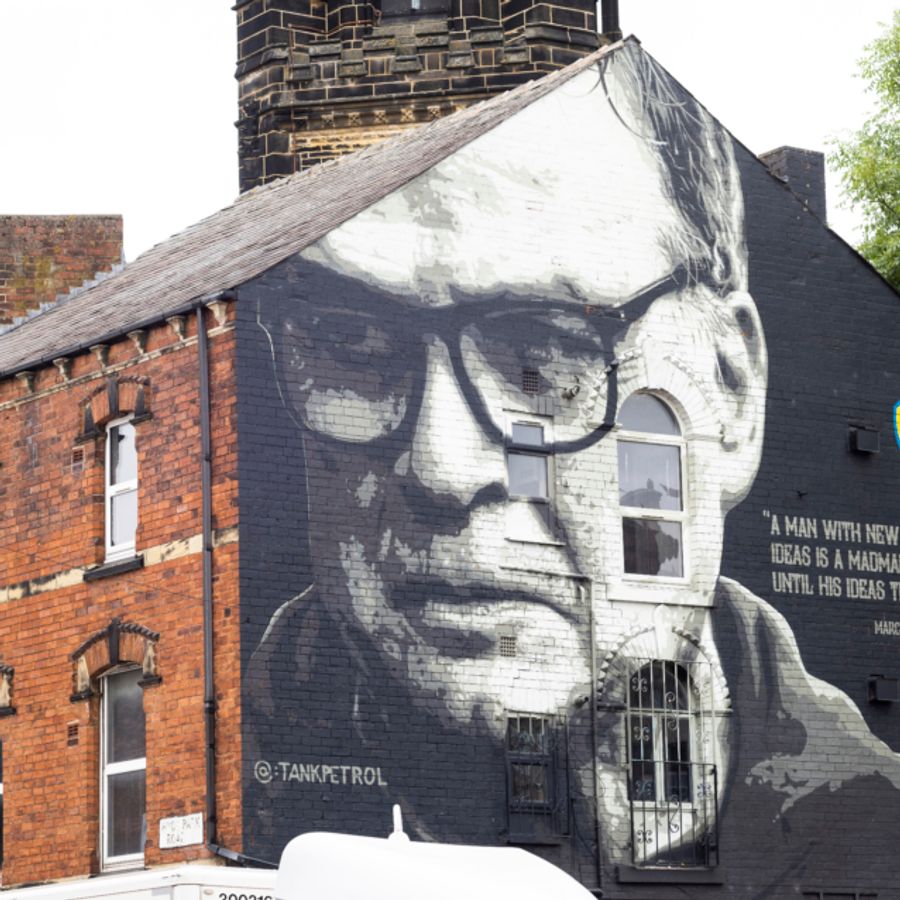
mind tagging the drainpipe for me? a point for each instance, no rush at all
(609, 20)
(209, 686)
(587, 588)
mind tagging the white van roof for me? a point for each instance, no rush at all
(324, 866)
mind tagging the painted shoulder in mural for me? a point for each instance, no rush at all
(518, 398)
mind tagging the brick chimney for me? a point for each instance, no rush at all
(804, 173)
(42, 257)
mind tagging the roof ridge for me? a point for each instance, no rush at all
(260, 229)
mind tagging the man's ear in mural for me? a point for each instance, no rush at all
(741, 368)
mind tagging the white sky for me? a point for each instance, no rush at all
(127, 106)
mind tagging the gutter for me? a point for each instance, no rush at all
(182, 309)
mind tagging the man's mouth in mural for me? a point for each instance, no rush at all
(442, 613)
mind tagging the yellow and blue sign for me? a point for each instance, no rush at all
(897, 422)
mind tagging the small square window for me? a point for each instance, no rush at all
(527, 466)
(529, 435)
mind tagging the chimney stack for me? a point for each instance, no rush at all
(804, 173)
(43, 257)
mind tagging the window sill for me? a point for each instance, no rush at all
(656, 590)
(114, 866)
(532, 840)
(535, 542)
(635, 875)
(116, 567)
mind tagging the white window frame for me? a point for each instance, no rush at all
(513, 449)
(678, 516)
(520, 532)
(127, 549)
(139, 764)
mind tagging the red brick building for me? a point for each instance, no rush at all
(79, 600)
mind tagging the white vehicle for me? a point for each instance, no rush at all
(322, 866)
(187, 882)
(325, 866)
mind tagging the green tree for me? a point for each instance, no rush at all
(870, 160)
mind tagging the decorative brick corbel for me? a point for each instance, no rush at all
(138, 337)
(27, 380)
(176, 323)
(64, 364)
(101, 351)
(219, 308)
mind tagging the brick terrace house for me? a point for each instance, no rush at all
(534, 470)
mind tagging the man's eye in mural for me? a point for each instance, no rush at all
(380, 374)
(502, 352)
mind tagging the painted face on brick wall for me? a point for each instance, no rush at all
(457, 389)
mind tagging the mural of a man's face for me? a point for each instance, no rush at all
(456, 369)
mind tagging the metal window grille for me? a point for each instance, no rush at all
(536, 778)
(672, 777)
(529, 762)
(508, 645)
(531, 381)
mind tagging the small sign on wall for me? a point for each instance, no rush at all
(181, 831)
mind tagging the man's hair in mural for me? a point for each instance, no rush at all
(696, 160)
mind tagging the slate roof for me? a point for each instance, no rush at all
(259, 230)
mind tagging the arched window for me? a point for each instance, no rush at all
(650, 487)
(123, 819)
(672, 788)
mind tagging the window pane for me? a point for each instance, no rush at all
(125, 823)
(122, 454)
(123, 510)
(527, 475)
(677, 736)
(649, 475)
(678, 782)
(528, 783)
(641, 737)
(643, 781)
(527, 734)
(125, 737)
(530, 435)
(652, 548)
(643, 412)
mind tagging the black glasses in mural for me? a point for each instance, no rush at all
(357, 373)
